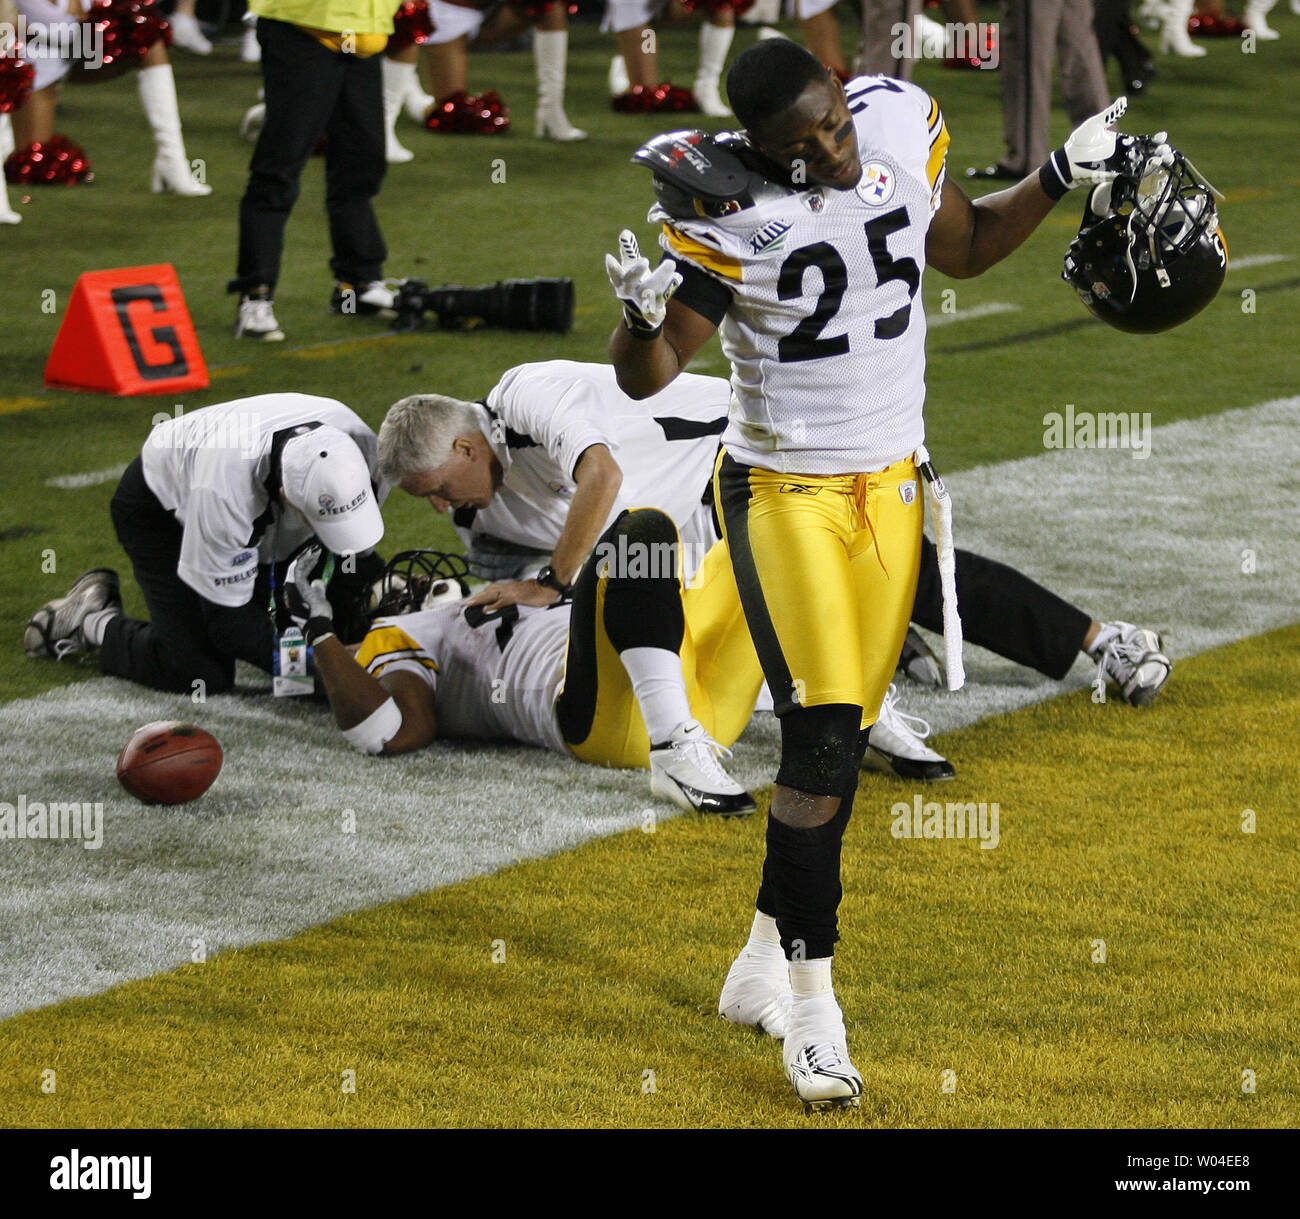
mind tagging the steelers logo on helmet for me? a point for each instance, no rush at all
(1150, 253)
(877, 185)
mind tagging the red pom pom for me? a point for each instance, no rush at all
(16, 76)
(56, 162)
(659, 99)
(739, 7)
(125, 30)
(412, 25)
(466, 114)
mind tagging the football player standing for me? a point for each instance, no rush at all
(802, 242)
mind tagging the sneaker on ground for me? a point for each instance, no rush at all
(919, 662)
(371, 298)
(1133, 658)
(55, 629)
(757, 991)
(256, 320)
(896, 745)
(816, 1055)
(686, 770)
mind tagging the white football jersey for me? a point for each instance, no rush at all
(825, 330)
(212, 469)
(496, 681)
(540, 418)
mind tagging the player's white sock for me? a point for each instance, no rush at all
(763, 935)
(808, 979)
(93, 626)
(656, 676)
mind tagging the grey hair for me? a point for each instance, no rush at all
(418, 433)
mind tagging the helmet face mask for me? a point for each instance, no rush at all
(1154, 256)
(417, 580)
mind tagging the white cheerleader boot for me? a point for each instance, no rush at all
(397, 81)
(715, 42)
(250, 50)
(1174, 38)
(171, 168)
(618, 80)
(551, 52)
(7, 214)
(1255, 19)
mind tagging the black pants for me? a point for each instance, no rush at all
(1115, 37)
(312, 91)
(1004, 611)
(189, 639)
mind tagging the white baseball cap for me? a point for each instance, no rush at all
(326, 478)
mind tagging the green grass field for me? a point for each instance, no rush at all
(1122, 826)
(609, 959)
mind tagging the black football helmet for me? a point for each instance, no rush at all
(416, 580)
(1151, 255)
(697, 173)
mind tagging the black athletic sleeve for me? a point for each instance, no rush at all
(701, 292)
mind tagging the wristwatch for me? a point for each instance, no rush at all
(548, 578)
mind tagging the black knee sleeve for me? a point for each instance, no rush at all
(643, 596)
(819, 749)
(801, 883)
(820, 893)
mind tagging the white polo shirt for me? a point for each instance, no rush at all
(540, 419)
(212, 469)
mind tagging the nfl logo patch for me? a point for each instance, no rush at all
(908, 491)
(877, 185)
(815, 201)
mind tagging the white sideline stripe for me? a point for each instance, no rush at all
(73, 482)
(1255, 260)
(969, 315)
(261, 856)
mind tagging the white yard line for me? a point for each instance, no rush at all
(73, 482)
(936, 318)
(1255, 260)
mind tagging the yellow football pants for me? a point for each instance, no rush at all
(826, 568)
(719, 665)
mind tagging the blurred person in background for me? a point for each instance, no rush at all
(320, 77)
(1032, 36)
(136, 33)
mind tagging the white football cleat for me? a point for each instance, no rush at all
(256, 320)
(757, 991)
(55, 629)
(816, 1055)
(1133, 658)
(686, 770)
(896, 745)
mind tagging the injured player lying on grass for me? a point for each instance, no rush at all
(599, 678)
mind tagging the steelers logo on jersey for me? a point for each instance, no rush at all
(877, 185)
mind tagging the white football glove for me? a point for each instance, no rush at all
(305, 596)
(1096, 153)
(644, 293)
